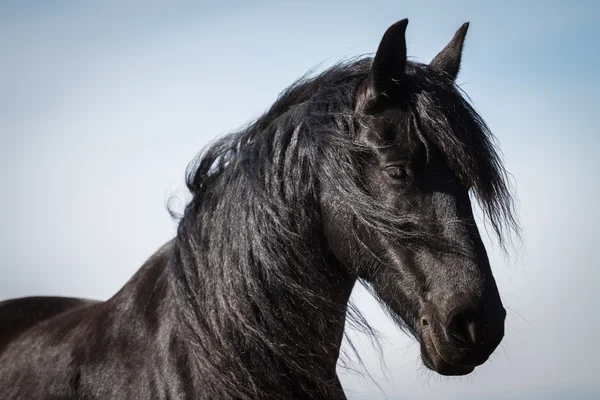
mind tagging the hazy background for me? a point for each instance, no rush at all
(103, 105)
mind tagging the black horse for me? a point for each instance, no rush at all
(363, 172)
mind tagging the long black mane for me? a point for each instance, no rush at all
(250, 250)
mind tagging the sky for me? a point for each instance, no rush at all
(103, 104)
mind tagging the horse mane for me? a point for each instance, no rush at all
(249, 259)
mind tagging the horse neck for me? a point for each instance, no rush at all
(235, 347)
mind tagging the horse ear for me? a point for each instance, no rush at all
(390, 60)
(448, 60)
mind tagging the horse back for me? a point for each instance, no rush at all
(18, 315)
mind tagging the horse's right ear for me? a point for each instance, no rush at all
(389, 63)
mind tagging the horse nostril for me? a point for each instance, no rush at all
(424, 322)
(462, 328)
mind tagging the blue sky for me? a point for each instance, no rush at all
(104, 103)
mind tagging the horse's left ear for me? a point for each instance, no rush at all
(448, 60)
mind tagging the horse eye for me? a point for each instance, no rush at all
(399, 173)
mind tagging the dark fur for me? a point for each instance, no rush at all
(250, 299)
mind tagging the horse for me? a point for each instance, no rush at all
(364, 172)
